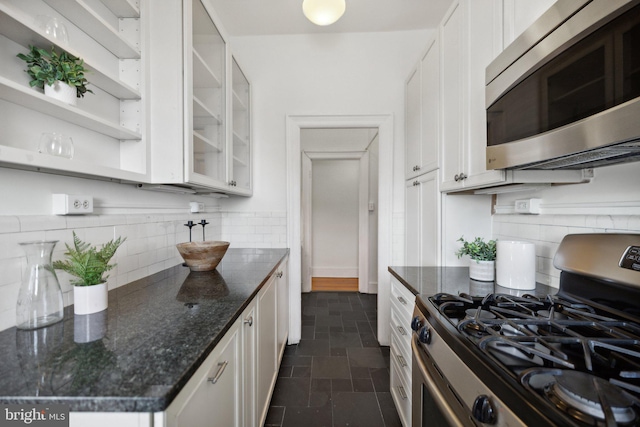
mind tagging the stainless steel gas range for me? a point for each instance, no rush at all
(567, 359)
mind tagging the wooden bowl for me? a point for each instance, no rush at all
(202, 256)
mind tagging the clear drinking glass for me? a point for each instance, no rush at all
(40, 298)
(56, 144)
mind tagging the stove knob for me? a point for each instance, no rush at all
(416, 323)
(483, 410)
(424, 335)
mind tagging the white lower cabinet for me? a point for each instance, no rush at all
(212, 396)
(267, 372)
(249, 351)
(402, 302)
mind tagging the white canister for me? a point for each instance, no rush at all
(515, 264)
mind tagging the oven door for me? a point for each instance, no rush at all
(433, 401)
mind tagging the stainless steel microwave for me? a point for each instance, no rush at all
(566, 93)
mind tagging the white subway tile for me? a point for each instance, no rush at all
(42, 222)
(9, 224)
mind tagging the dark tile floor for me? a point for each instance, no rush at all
(338, 375)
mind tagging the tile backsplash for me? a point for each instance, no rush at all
(149, 248)
(547, 231)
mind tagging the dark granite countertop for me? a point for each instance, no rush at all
(427, 281)
(143, 349)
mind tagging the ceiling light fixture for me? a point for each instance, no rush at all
(323, 12)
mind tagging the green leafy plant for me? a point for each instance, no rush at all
(88, 263)
(478, 249)
(46, 67)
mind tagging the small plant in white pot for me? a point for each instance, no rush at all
(89, 264)
(483, 258)
(61, 75)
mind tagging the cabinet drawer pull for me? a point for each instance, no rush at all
(221, 367)
(249, 321)
(401, 360)
(402, 301)
(403, 394)
(401, 330)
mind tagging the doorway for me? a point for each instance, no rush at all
(339, 215)
(384, 164)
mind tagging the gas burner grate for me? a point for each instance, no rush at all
(587, 398)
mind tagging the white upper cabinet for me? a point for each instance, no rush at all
(240, 138)
(205, 98)
(422, 97)
(200, 117)
(520, 14)
(107, 128)
(471, 36)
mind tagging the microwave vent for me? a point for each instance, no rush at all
(620, 153)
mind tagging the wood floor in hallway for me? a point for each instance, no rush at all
(334, 284)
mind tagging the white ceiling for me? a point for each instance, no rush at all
(270, 17)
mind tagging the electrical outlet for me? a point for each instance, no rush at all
(528, 206)
(196, 207)
(70, 204)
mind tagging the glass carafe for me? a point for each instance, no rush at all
(40, 298)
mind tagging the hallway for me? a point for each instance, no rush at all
(337, 375)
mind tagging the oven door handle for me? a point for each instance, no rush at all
(438, 397)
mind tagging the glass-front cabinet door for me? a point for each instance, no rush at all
(206, 148)
(241, 131)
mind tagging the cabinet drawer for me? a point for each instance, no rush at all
(402, 298)
(401, 393)
(401, 329)
(403, 359)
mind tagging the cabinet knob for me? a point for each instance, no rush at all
(249, 321)
(416, 183)
(279, 274)
(463, 176)
(456, 178)
(416, 168)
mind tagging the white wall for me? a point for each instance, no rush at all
(335, 189)
(608, 204)
(320, 74)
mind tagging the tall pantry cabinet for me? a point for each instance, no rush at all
(200, 114)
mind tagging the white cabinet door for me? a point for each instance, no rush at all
(430, 101)
(212, 397)
(412, 125)
(471, 37)
(240, 138)
(283, 307)
(452, 92)
(266, 351)
(483, 31)
(423, 220)
(205, 98)
(249, 361)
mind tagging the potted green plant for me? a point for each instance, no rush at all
(89, 264)
(483, 258)
(61, 75)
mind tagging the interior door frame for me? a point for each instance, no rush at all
(294, 124)
(363, 213)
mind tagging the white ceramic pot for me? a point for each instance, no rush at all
(483, 271)
(62, 92)
(90, 299)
